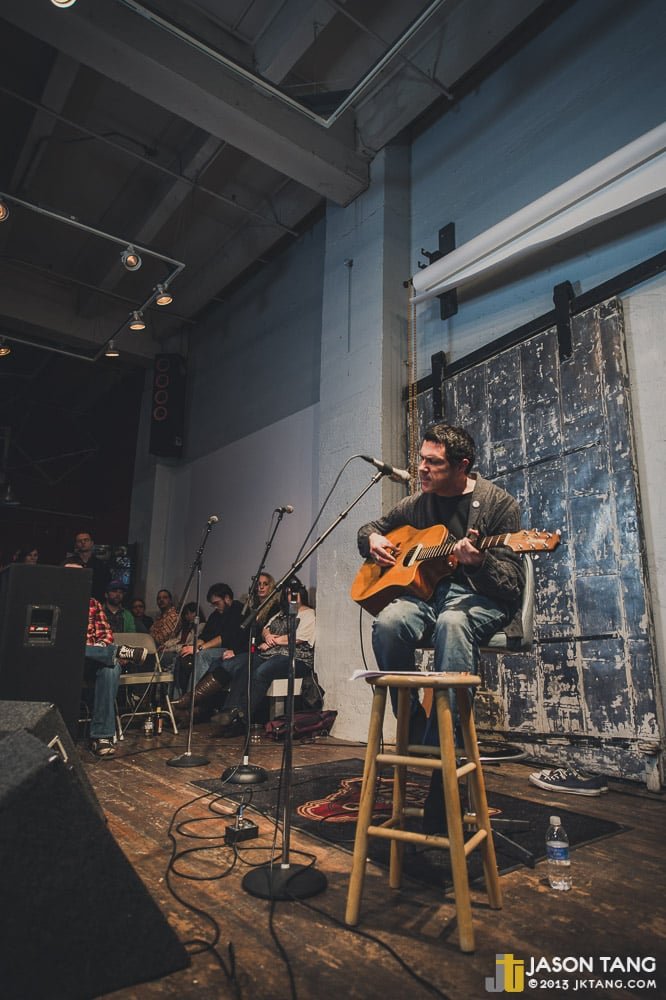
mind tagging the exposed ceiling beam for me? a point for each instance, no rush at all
(127, 49)
(291, 33)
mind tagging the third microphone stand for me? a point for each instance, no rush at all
(283, 880)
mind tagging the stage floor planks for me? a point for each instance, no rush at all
(616, 907)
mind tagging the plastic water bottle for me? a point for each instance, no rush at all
(557, 852)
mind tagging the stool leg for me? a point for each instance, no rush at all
(399, 787)
(454, 821)
(478, 787)
(366, 807)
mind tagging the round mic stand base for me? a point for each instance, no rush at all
(275, 881)
(188, 760)
(244, 774)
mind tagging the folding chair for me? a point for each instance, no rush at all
(145, 679)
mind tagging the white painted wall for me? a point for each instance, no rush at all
(362, 373)
(241, 483)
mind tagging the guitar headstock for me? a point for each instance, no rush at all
(531, 540)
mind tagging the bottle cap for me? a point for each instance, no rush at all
(555, 821)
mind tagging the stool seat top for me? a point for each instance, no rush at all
(423, 679)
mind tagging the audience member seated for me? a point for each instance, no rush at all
(165, 625)
(221, 635)
(84, 555)
(28, 555)
(138, 609)
(265, 587)
(269, 662)
(184, 636)
(104, 663)
(118, 617)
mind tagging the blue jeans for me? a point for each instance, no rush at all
(107, 677)
(264, 672)
(456, 621)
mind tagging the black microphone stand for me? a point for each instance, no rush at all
(188, 759)
(284, 880)
(246, 773)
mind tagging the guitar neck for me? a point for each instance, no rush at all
(444, 550)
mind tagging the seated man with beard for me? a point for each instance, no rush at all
(270, 662)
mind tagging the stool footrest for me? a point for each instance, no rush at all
(409, 836)
(387, 831)
(401, 760)
(396, 760)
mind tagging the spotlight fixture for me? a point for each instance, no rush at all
(4, 211)
(7, 497)
(5, 349)
(63, 3)
(111, 350)
(130, 258)
(164, 296)
(137, 321)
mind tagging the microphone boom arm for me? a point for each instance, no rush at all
(294, 568)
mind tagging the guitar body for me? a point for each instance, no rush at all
(423, 558)
(376, 586)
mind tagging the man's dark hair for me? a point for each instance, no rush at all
(163, 590)
(220, 590)
(458, 443)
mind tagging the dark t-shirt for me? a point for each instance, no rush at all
(226, 624)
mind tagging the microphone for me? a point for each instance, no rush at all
(397, 475)
(213, 519)
(288, 509)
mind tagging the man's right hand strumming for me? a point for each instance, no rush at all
(382, 550)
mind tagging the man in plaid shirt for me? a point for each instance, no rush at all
(108, 661)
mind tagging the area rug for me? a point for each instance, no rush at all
(325, 804)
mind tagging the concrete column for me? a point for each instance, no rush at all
(363, 372)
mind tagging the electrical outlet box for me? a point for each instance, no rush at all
(243, 829)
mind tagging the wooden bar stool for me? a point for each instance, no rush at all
(405, 756)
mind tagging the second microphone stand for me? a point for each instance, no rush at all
(284, 880)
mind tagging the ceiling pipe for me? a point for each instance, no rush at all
(68, 221)
(173, 174)
(267, 88)
(177, 267)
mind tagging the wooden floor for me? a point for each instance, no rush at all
(615, 909)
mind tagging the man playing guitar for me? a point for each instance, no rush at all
(481, 592)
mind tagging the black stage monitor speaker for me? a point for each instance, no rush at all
(45, 722)
(43, 624)
(77, 921)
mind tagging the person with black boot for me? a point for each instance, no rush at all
(270, 662)
(210, 692)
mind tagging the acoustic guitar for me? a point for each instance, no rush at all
(424, 557)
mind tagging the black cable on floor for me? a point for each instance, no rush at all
(197, 946)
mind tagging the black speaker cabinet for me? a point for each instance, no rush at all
(43, 624)
(77, 921)
(167, 415)
(45, 722)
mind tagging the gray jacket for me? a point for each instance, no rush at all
(493, 511)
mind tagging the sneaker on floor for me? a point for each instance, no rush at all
(133, 654)
(103, 747)
(568, 779)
